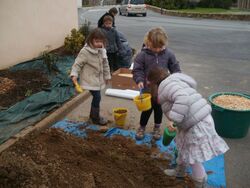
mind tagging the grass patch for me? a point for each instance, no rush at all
(212, 10)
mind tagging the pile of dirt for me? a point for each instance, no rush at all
(57, 159)
(17, 85)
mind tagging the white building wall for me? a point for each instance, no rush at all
(79, 3)
(28, 26)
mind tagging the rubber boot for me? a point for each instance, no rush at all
(96, 118)
(200, 183)
(178, 172)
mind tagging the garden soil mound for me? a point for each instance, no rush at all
(17, 85)
(57, 159)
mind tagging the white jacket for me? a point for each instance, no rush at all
(180, 101)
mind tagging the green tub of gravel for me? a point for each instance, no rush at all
(231, 113)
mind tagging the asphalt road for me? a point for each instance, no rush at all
(215, 52)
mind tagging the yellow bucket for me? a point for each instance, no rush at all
(143, 102)
(120, 115)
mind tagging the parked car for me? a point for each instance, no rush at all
(133, 7)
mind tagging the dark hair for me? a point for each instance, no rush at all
(96, 34)
(155, 77)
(113, 10)
(107, 18)
(157, 74)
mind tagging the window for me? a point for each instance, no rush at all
(136, 2)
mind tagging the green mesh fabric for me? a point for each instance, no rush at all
(37, 106)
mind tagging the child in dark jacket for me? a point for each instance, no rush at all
(154, 54)
(114, 44)
(112, 12)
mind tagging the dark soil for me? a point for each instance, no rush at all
(57, 159)
(16, 86)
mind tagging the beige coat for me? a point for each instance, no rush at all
(91, 68)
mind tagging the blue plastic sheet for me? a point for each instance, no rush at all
(215, 166)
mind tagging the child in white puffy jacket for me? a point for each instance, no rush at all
(196, 139)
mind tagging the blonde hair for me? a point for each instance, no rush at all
(156, 38)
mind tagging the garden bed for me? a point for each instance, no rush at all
(58, 159)
(17, 85)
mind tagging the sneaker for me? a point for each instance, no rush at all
(178, 172)
(200, 183)
(156, 133)
(140, 133)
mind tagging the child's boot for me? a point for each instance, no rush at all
(200, 183)
(157, 132)
(96, 118)
(140, 133)
(178, 172)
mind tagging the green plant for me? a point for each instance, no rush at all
(85, 29)
(226, 4)
(28, 93)
(50, 60)
(74, 42)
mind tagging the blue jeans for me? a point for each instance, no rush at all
(96, 98)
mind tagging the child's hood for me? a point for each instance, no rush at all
(91, 50)
(171, 83)
(180, 77)
(148, 51)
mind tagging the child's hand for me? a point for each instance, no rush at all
(74, 79)
(78, 88)
(107, 81)
(140, 85)
(171, 127)
(104, 53)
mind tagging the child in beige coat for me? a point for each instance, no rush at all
(92, 68)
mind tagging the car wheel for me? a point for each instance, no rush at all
(144, 14)
(127, 14)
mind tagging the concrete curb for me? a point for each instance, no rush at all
(241, 17)
(52, 118)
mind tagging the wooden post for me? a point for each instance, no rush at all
(243, 4)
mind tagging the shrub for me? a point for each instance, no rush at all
(226, 4)
(172, 4)
(85, 29)
(74, 42)
(50, 60)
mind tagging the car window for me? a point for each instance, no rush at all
(137, 2)
(124, 2)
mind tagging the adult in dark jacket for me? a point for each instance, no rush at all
(112, 12)
(154, 54)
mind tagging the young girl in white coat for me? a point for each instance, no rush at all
(196, 139)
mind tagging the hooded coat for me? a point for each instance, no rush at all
(181, 102)
(147, 60)
(91, 68)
